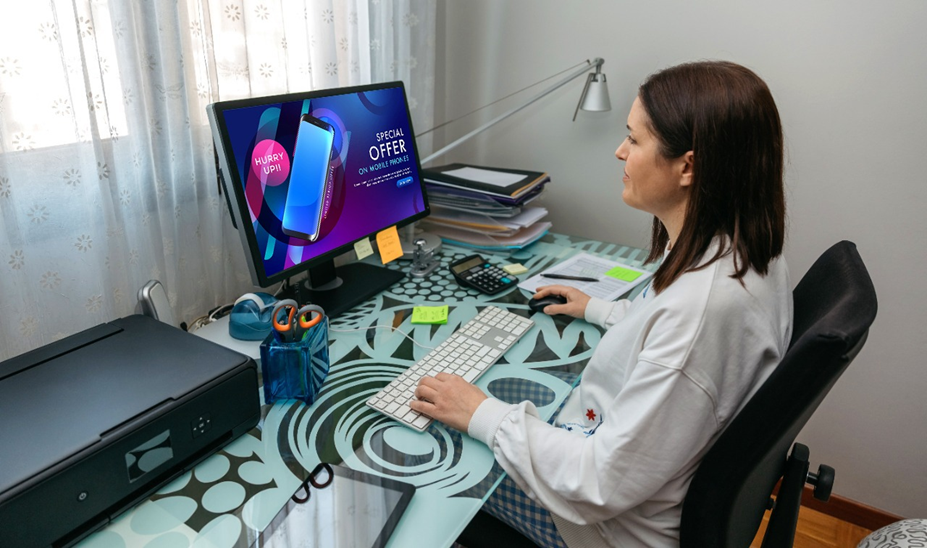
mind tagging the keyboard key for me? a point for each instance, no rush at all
(464, 353)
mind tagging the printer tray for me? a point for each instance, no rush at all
(95, 423)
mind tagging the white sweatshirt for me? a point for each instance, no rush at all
(669, 374)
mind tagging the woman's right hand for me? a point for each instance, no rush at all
(576, 300)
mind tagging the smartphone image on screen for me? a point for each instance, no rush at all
(305, 196)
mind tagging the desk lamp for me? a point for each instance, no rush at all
(593, 99)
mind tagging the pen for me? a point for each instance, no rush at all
(565, 277)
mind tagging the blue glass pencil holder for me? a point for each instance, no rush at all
(295, 370)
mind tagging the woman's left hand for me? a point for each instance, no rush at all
(447, 398)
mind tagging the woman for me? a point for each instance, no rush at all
(704, 156)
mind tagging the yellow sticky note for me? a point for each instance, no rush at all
(388, 242)
(430, 314)
(515, 269)
(363, 248)
(624, 274)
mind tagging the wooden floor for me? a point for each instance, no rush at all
(817, 530)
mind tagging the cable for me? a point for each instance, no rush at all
(283, 286)
(211, 316)
(384, 327)
(198, 323)
(220, 311)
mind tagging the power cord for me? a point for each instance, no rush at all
(211, 316)
(220, 311)
(198, 323)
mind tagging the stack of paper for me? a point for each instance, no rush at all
(485, 207)
(478, 222)
(450, 198)
(612, 279)
(491, 242)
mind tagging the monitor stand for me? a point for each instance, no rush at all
(337, 290)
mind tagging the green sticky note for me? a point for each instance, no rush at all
(430, 314)
(363, 248)
(624, 274)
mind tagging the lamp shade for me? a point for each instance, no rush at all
(596, 97)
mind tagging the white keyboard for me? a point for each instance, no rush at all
(468, 353)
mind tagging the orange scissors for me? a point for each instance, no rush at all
(291, 322)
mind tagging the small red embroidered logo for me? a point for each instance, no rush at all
(590, 414)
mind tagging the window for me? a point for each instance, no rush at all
(60, 76)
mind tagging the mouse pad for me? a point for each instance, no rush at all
(353, 509)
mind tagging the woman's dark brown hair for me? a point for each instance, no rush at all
(724, 114)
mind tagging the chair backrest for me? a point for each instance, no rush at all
(835, 303)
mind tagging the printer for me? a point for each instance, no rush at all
(95, 423)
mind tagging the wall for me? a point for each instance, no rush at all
(850, 80)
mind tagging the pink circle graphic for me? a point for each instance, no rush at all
(270, 162)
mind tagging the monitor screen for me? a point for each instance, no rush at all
(310, 174)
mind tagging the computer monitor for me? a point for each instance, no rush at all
(310, 174)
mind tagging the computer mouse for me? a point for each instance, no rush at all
(537, 305)
(251, 316)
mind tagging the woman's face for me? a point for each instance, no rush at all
(652, 183)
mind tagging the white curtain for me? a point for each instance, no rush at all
(107, 174)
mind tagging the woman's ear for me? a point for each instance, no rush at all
(688, 164)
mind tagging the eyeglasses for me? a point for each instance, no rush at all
(320, 478)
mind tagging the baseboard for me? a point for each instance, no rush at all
(845, 509)
(848, 510)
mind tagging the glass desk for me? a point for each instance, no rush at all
(243, 486)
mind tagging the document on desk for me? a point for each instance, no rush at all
(613, 279)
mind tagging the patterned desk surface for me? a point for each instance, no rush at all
(242, 487)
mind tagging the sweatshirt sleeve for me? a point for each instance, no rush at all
(605, 313)
(651, 432)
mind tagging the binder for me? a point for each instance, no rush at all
(491, 181)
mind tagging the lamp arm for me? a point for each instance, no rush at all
(595, 63)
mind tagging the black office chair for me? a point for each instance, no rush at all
(835, 303)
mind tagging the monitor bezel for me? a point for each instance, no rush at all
(231, 177)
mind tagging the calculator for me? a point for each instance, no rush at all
(474, 271)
